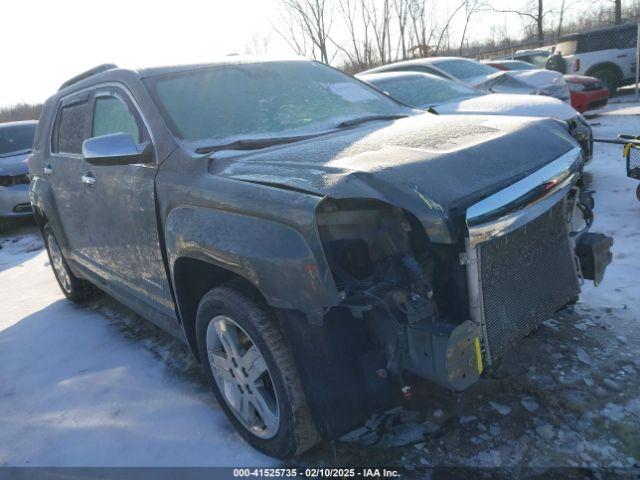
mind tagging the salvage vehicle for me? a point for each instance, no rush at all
(16, 139)
(484, 77)
(316, 244)
(587, 93)
(442, 96)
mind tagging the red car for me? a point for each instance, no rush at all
(587, 93)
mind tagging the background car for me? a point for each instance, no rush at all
(16, 141)
(587, 93)
(607, 54)
(535, 57)
(485, 77)
(442, 96)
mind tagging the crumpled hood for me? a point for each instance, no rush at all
(510, 104)
(14, 164)
(430, 165)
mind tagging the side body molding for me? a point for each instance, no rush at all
(273, 256)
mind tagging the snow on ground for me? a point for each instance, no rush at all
(97, 385)
(88, 386)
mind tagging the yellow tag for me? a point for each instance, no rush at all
(478, 355)
(626, 149)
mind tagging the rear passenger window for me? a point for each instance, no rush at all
(112, 115)
(70, 130)
(626, 37)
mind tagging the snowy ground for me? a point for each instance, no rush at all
(97, 385)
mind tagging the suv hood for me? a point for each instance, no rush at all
(505, 104)
(14, 164)
(432, 166)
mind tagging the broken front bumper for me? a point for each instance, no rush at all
(521, 255)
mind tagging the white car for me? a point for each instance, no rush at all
(608, 54)
(444, 97)
(481, 76)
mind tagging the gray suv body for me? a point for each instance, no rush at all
(318, 245)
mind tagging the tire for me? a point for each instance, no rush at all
(74, 288)
(609, 77)
(269, 410)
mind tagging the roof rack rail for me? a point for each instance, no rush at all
(89, 73)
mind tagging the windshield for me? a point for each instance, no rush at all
(16, 138)
(539, 59)
(258, 100)
(464, 69)
(424, 90)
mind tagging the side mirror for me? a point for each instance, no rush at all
(115, 149)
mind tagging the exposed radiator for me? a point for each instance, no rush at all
(526, 275)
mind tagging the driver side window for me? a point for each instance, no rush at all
(112, 115)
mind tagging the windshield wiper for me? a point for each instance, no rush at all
(254, 143)
(370, 118)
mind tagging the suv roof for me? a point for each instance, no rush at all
(106, 71)
(615, 28)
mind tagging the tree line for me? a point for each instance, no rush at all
(358, 34)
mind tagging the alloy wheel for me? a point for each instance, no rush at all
(242, 376)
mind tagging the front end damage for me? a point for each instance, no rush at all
(443, 312)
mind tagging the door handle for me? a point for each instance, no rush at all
(88, 179)
(48, 170)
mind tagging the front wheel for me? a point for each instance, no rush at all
(252, 373)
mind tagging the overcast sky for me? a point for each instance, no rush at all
(46, 42)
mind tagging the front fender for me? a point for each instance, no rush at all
(274, 257)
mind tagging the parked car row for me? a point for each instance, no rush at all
(587, 93)
(485, 77)
(608, 54)
(318, 244)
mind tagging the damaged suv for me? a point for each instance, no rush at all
(315, 243)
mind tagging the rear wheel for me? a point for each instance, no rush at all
(74, 288)
(252, 374)
(609, 77)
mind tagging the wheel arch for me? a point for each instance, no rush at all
(193, 278)
(605, 66)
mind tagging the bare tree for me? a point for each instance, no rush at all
(258, 45)
(470, 7)
(444, 33)
(379, 17)
(417, 12)
(618, 11)
(310, 21)
(534, 11)
(401, 8)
